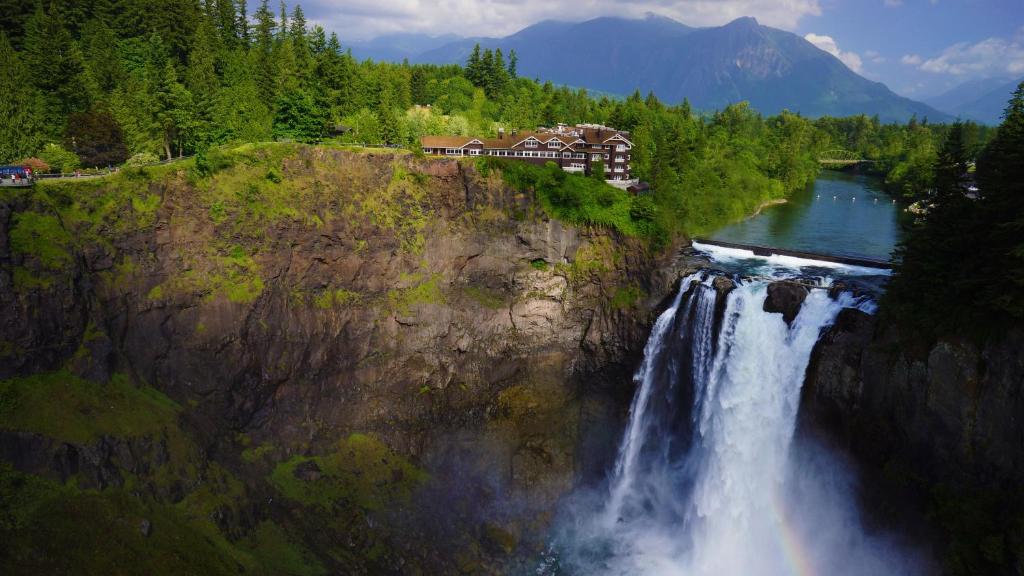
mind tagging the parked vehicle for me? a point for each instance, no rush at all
(16, 176)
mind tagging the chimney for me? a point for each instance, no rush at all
(501, 133)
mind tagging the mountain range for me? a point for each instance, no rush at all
(712, 67)
(979, 100)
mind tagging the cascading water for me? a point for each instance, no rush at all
(706, 481)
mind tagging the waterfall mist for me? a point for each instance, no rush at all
(708, 480)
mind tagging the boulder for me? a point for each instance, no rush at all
(785, 297)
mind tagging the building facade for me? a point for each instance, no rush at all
(575, 149)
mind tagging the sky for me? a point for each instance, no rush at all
(919, 48)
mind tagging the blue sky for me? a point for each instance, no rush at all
(923, 47)
(919, 48)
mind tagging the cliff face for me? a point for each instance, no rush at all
(938, 424)
(382, 363)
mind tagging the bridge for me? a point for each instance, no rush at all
(765, 251)
(841, 158)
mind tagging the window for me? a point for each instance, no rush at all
(554, 144)
(595, 157)
(580, 155)
(620, 148)
(605, 156)
(566, 154)
(451, 151)
(531, 143)
(620, 159)
(474, 152)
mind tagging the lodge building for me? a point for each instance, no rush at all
(575, 149)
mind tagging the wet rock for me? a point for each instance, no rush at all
(723, 285)
(307, 471)
(785, 297)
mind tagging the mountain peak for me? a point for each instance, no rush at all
(743, 22)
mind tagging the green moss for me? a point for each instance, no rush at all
(42, 236)
(400, 208)
(52, 528)
(255, 454)
(278, 554)
(362, 471)
(24, 279)
(401, 301)
(540, 264)
(485, 297)
(156, 292)
(627, 297)
(65, 407)
(340, 297)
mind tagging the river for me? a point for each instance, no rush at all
(841, 214)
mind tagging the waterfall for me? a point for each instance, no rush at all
(706, 481)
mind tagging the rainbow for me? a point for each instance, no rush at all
(793, 548)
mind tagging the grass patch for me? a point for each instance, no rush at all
(65, 407)
(361, 471)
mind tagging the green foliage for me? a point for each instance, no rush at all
(571, 198)
(65, 407)
(961, 266)
(41, 235)
(360, 471)
(59, 158)
(142, 159)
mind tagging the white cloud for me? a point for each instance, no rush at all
(874, 57)
(362, 19)
(991, 57)
(911, 59)
(828, 44)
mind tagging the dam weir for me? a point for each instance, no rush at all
(708, 480)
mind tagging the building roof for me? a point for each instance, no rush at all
(446, 141)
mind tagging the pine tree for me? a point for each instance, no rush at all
(201, 79)
(24, 129)
(1000, 176)
(242, 24)
(263, 53)
(300, 45)
(55, 63)
(513, 64)
(473, 67)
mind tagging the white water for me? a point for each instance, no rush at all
(707, 481)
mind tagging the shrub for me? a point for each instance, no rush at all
(37, 165)
(142, 159)
(59, 158)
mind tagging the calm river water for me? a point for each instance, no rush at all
(842, 214)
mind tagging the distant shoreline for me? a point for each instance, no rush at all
(767, 204)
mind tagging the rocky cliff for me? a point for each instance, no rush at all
(937, 426)
(290, 359)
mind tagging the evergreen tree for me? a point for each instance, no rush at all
(1000, 177)
(24, 129)
(513, 64)
(242, 24)
(102, 60)
(55, 63)
(300, 45)
(263, 53)
(474, 72)
(202, 81)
